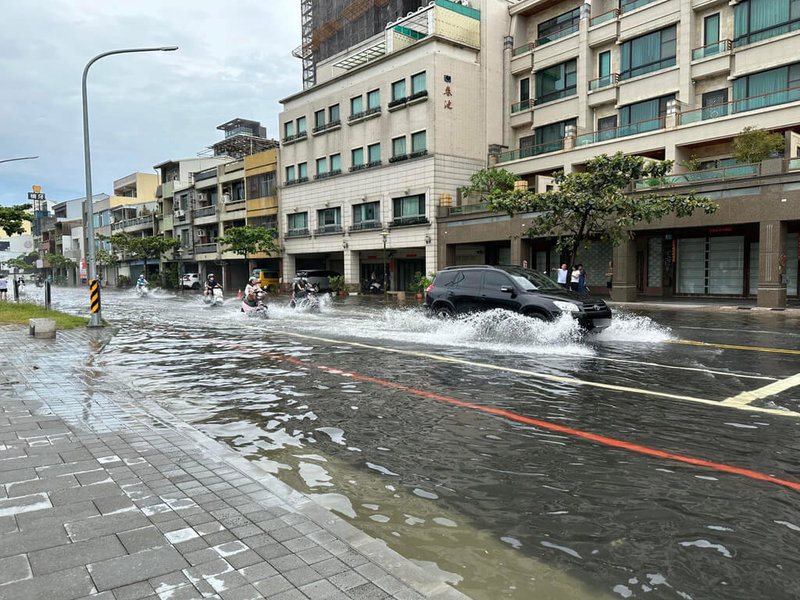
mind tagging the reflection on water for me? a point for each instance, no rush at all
(500, 509)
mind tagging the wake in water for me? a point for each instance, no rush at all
(627, 327)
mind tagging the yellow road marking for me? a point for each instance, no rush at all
(733, 347)
(777, 387)
(557, 378)
(683, 368)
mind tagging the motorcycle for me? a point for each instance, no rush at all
(141, 290)
(308, 302)
(256, 307)
(375, 287)
(213, 299)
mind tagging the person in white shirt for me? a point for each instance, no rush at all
(574, 278)
(562, 275)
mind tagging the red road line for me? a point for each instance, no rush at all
(600, 439)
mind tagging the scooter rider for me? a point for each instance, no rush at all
(252, 291)
(141, 282)
(211, 285)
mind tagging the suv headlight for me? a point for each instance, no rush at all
(566, 306)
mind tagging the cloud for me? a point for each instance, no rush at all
(234, 61)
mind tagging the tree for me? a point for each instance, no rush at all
(487, 181)
(11, 218)
(104, 258)
(249, 240)
(146, 248)
(754, 145)
(595, 204)
(18, 262)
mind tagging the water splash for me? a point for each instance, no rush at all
(629, 327)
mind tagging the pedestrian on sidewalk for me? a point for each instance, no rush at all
(574, 278)
(561, 275)
(610, 275)
(582, 289)
(3, 287)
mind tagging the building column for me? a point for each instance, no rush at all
(624, 281)
(352, 271)
(288, 272)
(516, 250)
(772, 264)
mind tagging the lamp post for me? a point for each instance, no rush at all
(95, 319)
(384, 235)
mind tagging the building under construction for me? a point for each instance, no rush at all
(331, 26)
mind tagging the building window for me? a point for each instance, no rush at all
(399, 146)
(290, 173)
(357, 157)
(367, 215)
(418, 143)
(399, 90)
(336, 163)
(553, 134)
(758, 90)
(604, 64)
(301, 126)
(524, 89)
(374, 153)
(559, 26)
(373, 99)
(356, 106)
(263, 185)
(329, 220)
(711, 30)
(288, 129)
(643, 116)
(409, 208)
(297, 224)
(648, 53)
(333, 115)
(319, 119)
(558, 81)
(322, 166)
(756, 20)
(606, 127)
(302, 171)
(418, 83)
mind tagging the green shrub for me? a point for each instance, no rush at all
(123, 281)
(421, 282)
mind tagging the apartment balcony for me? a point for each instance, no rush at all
(603, 28)
(364, 226)
(649, 85)
(521, 115)
(232, 211)
(258, 204)
(205, 215)
(531, 151)
(717, 111)
(209, 250)
(522, 59)
(695, 177)
(131, 225)
(296, 233)
(764, 54)
(603, 90)
(654, 14)
(619, 132)
(712, 59)
(557, 49)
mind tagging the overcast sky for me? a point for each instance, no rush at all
(234, 61)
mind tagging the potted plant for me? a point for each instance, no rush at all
(337, 284)
(420, 283)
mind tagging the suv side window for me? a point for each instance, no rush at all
(470, 279)
(493, 280)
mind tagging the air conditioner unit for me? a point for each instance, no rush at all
(201, 233)
(179, 213)
(201, 197)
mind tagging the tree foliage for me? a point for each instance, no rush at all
(487, 181)
(104, 258)
(595, 204)
(11, 218)
(754, 145)
(18, 262)
(146, 248)
(249, 240)
(58, 261)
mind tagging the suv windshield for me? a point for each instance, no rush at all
(530, 280)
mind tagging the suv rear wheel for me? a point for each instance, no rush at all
(442, 311)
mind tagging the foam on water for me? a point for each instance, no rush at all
(628, 327)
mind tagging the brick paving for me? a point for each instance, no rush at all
(105, 495)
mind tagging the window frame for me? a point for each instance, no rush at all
(414, 78)
(399, 89)
(319, 123)
(414, 137)
(334, 115)
(357, 100)
(664, 61)
(395, 142)
(370, 147)
(568, 79)
(374, 95)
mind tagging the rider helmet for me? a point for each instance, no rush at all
(252, 280)
(211, 276)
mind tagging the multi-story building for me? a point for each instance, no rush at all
(393, 126)
(663, 79)
(261, 180)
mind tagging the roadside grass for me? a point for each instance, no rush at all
(13, 312)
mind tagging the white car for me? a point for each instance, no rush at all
(190, 281)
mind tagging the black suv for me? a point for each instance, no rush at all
(476, 288)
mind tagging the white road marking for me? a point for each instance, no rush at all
(777, 387)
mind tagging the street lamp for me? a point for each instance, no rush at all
(95, 319)
(384, 235)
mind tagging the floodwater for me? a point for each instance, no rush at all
(461, 443)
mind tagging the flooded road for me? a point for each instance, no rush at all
(519, 459)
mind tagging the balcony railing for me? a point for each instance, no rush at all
(692, 177)
(551, 97)
(551, 37)
(606, 16)
(766, 33)
(619, 132)
(522, 49)
(410, 220)
(297, 136)
(303, 232)
(604, 81)
(626, 5)
(521, 106)
(326, 126)
(205, 248)
(326, 229)
(712, 49)
(135, 222)
(398, 158)
(530, 151)
(364, 114)
(364, 226)
(468, 208)
(418, 153)
(206, 211)
(737, 106)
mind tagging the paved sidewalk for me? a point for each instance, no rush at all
(105, 495)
